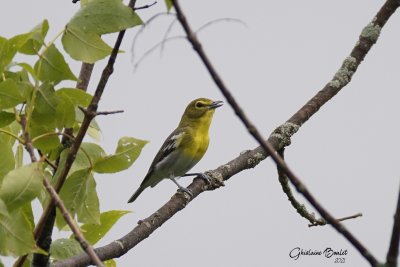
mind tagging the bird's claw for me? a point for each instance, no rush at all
(205, 177)
(185, 190)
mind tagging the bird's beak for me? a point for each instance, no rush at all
(215, 104)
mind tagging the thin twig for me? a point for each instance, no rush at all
(145, 6)
(153, 48)
(214, 21)
(109, 112)
(46, 159)
(141, 30)
(393, 252)
(36, 138)
(301, 208)
(28, 144)
(72, 224)
(322, 222)
(166, 34)
(265, 144)
(101, 112)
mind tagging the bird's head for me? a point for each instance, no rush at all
(200, 111)
(201, 107)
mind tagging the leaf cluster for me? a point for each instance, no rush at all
(34, 111)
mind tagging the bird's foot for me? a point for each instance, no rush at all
(201, 175)
(185, 190)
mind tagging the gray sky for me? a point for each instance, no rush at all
(347, 154)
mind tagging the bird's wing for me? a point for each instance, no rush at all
(170, 145)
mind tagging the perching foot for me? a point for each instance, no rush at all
(203, 176)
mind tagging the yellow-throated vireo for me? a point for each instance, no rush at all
(183, 148)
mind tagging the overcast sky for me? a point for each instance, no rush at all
(347, 154)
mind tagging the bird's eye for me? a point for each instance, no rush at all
(199, 104)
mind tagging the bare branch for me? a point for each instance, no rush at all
(140, 31)
(145, 6)
(109, 112)
(322, 222)
(301, 208)
(84, 76)
(166, 34)
(393, 252)
(101, 112)
(212, 22)
(153, 48)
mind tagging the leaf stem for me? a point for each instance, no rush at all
(13, 135)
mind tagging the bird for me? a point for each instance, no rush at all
(183, 148)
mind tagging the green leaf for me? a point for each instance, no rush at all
(84, 2)
(89, 211)
(77, 96)
(14, 128)
(128, 150)
(3, 209)
(47, 141)
(16, 235)
(64, 248)
(29, 69)
(65, 114)
(8, 49)
(6, 118)
(81, 38)
(19, 156)
(169, 5)
(94, 232)
(110, 263)
(22, 185)
(85, 158)
(25, 89)
(80, 198)
(52, 110)
(52, 67)
(94, 130)
(36, 39)
(84, 46)
(9, 94)
(7, 161)
(104, 16)
(26, 211)
(17, 76)
(46, 100)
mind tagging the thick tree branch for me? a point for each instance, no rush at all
(249, 159)
(393, 252)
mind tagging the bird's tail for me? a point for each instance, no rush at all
(136, 194)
